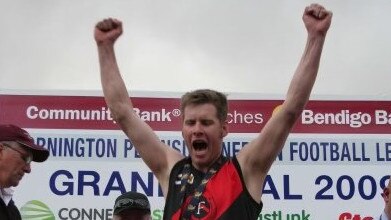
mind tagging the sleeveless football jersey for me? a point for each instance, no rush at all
(225, 195)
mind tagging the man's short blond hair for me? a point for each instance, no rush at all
(206, 96)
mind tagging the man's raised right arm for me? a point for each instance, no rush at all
(155, 154)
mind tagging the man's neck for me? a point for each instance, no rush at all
(387, 212)
(205, 169)
(6, 194)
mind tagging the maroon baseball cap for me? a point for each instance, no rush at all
(9, 132)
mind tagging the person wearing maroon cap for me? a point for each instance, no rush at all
(17, 150)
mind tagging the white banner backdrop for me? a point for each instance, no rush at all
(327, 169)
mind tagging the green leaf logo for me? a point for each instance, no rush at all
(36, 210)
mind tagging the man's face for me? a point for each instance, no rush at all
(387, 196)
(13, 164)
(133, 214)
(203, 133)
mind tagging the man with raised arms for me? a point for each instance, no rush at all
(207, 185)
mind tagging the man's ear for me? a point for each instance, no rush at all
(1, 150)
(224, 130)
(386, 194)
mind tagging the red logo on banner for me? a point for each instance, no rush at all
(350, 216)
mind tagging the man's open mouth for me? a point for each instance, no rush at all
(199, 145)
